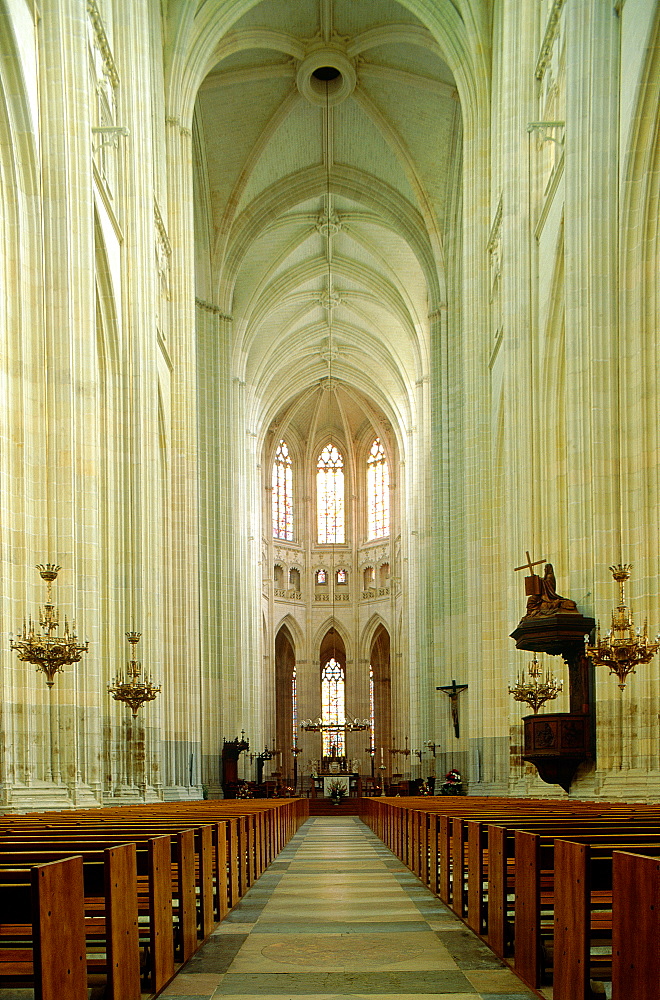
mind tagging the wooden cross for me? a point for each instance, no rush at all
(533, 581)
(529, 564)
(453, 690)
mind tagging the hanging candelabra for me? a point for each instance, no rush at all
(402, 753)
(535, 691)
(349, 726)
(133, 689)
(623, 647)
(47, 650)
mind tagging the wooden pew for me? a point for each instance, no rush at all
(192, 862)
(635, 927)
(568, 903)
(52, 896)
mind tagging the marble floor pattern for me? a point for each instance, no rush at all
(338, 915)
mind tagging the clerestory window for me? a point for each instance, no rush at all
(378, 492)
(282, 493)
(330, 495)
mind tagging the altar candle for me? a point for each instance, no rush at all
(381, 755)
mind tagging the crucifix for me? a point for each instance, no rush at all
(452, 691)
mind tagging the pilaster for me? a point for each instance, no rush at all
(71, 385)
(596, 485)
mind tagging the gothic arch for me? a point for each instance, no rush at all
(381, 666)
(290, 625)
(285, 662)
(375, 623)
(323, 630)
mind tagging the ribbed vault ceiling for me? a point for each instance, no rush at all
(329, 206)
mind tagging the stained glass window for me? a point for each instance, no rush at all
(341, 576)
(282, 494)
(371, 710)
(321, 576)
(332, 708)
(378, 492)
(330, 495)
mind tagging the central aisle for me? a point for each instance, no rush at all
(338, 915)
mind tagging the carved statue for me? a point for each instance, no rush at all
(543, 597)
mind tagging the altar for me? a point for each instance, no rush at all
(329, 782)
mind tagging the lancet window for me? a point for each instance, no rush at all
(282, 484)
(372, 711)
(330, 495)
(333, 713)
(378, 492)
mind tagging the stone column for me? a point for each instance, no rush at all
(71, 435)
(592, 342)
(184, 634)
(218, 621)
(516, 525)
(147, 568)
(471, 596)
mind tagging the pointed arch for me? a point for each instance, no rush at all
(381, 679)
(289, 623)
(332, 675)
(328, 625)
(285, 665)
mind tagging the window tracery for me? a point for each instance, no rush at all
(333, 713)
(330, 496)
(378, 492)
(282, 486)
(372, 711)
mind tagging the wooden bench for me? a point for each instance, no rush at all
(535, 879)
(192, 862)
(48, 898)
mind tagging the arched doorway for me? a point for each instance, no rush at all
(381, 695)
(332, 663)
(285, 665)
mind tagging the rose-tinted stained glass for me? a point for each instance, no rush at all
(378, 492)
(282, 483)
(330, 495)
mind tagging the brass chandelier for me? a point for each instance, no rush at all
(349, 725)
(47, 650)
(133, 689)
(623, 647)
(535, 690)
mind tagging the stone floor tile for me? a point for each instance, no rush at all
(295, 984)
(468, 951)
(497, 983)
(193, 985)
(342, 927)
(364, 953)
(338, 916)
(216, 955)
